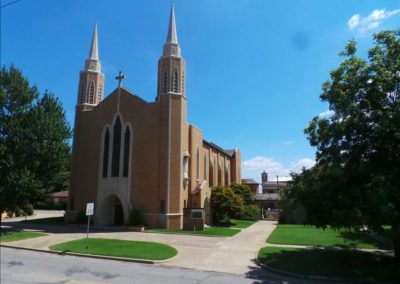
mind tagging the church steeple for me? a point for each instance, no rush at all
(171, 66)
(171, 46)
(91, 82)
(94, 52)
(93, 62)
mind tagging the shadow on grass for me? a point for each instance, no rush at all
(56, 225)
(353, 238)
(47, 221)
(332, 263)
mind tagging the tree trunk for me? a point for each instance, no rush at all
(396, 242)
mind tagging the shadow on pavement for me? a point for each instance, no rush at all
(59, 228)
(263, 276)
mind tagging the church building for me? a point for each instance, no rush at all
(129, 154)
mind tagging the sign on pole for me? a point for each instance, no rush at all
(89, 209)
(89, 212)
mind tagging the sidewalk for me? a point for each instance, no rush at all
(235, 254)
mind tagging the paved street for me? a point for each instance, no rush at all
(200, 259)
(198, 252)
(20, 266)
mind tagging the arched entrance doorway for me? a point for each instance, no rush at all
(111, 211)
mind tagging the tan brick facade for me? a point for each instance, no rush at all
(131, 154)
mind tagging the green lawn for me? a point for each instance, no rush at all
(308, 235)
(210, 231)
(118, 248)
(242, 224)
(47, 221)
(12, 236)
(334, 263)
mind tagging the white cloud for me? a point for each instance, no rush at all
(354, 21)
(288, 142)
(363, 24)
(253, 168)
(303, 163)
(326, 114)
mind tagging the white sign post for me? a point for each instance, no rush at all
(89, 212)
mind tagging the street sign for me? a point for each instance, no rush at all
(89, 212)
(89, 209)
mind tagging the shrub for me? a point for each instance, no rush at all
(251, 212)
(81, 217)
(18, 212)
(225, 204)
(41, 205)
(136, 218)
(10, 213)
(29, 209)
(244, 192)
(51, 206)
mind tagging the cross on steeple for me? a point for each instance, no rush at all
(120, 78)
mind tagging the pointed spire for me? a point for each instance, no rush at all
(94, 53)
(93, 62)
(172, 36)
(171, 46)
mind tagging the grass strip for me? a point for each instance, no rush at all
(47, 221)
(309, 235)
(331, 263)
(12, 236)
(241, 224)
(210, 231)
(118, 248)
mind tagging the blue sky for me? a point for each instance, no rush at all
(254, 67)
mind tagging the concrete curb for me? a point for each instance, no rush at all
(125, 259)
(313, 277)
(183, 234)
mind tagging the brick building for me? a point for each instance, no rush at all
(132, 154)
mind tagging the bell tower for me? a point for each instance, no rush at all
(171, 65)
(91, 80)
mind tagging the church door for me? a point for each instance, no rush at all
(118, 215)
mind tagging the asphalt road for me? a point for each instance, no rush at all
(21, 266)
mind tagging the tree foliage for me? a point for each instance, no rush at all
(243, 191)
(356, 181)
(234, 201)
(34, 133)
(225, 204)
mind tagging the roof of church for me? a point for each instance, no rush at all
(59, 194)
(229, 153)
(249, 181)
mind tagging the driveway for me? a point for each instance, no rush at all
(221, 254)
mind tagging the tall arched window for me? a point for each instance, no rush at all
(106, 147)
(116, 151)
(91, 93)
(211, 175)
(220, 177)
(183, 82)
(175, 81)
(197, 165)
(127, 142)
(165, 81)
(82, 97)
(205, 166)
(100, 94)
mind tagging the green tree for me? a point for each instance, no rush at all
(356, 181)
(34, 136)
(225, 204)
(244, 192)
